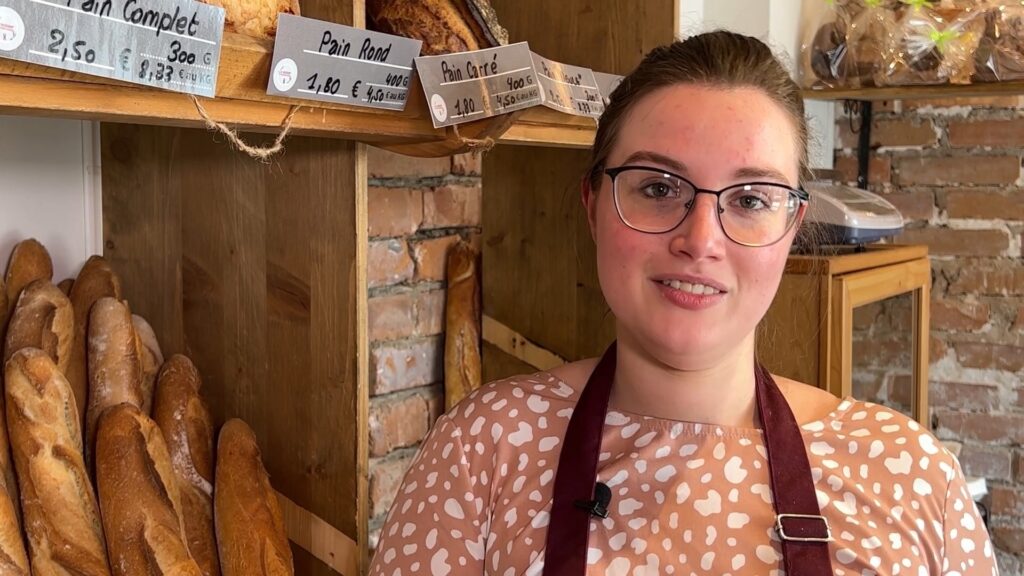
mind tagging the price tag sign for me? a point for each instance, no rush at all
(170, 44)
(467, 86)
(606, 83)
(328, 62)
(569, 89)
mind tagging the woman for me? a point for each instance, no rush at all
(682, 456)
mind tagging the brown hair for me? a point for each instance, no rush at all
(720, 59)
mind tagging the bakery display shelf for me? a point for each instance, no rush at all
(242, 102)
(917, 92)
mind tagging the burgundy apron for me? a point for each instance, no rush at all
(803, 531)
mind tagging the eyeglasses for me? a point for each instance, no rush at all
(752, 214)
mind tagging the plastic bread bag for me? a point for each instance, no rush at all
(873, 41)
(937, 43)
(1000, 54)
(823, 54)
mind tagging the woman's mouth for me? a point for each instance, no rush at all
(691, 287)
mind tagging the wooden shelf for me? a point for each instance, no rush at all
(917, 92)
(242, 102)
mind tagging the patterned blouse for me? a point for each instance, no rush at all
(687, 498)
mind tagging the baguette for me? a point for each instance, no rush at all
(462, 325)
(95, 281)
(152, 359)
(115, 365)
(13, 558)
(188, 429)
(251, 535)
(42, 319)
(61, 518)
(145, 532)
(29, 261)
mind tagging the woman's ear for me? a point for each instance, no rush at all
(589, 198)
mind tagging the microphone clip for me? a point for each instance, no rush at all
(599, 505)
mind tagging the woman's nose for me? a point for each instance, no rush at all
(700, 235)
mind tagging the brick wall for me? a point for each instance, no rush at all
(953, 167)
(417, 209)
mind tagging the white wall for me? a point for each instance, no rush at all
(50, 189)
(780, 24)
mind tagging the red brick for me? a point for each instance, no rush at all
(403, 419)
(468, 164)
(983, 427)
(976, 102)
(406, 365)
(1009, 539)
(901, 391)
(990, 356)
(1018, 322)
(963, 396)
(955, 315)
(1005, 280)
(867, 384)
(879, 169)
(1018, 467)
(913, 205)
(431, 258)
(986, 205)
(383, 164)
(977, 170)
(394, 211)
(988, 462)
(954, 242)
(937, 349)
(450, 206)
(389, 263)
(1007, 501)
(883, 352)
(406, 315)
(864, 317)
(386, 476)
(995, 133)
(892, 133)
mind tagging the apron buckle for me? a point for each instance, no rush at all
(802, 529)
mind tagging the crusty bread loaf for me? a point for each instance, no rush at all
(115, 365)
(61, 517)
(251, 535)
(3, 308)
(152, 359)
(462, 325)
(13, 559)
(188, 429)
(65, 285)
(96, 280)
(257, 18)
(42, 319)
(139, 497)
(29, 261)
(443, 26)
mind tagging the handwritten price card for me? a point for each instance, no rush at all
(607, 83)
(170, 44)
(569, 89)
(317, 60)
(467, 86)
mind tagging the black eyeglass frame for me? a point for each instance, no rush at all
(802, 197)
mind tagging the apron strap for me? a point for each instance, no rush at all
(803, 531)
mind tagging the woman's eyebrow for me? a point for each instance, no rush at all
(760, 173)
(654, 157)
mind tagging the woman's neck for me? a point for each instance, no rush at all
(722, 393)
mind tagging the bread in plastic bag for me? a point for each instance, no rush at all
(1000, 54)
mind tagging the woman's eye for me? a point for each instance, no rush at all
(657, 190)
(752, 203)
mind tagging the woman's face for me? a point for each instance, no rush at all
(715, 138)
